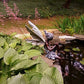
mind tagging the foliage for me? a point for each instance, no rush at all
(17, 67)
(11, 13)
(46, 8)
(82, 61)
(71, 25)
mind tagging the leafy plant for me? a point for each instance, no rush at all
(17, 67)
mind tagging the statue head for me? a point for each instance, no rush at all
(49, 36)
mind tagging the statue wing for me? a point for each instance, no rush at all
(35, 32)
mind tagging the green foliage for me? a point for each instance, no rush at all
(1, 52)
(2, 41)
(71, 25)
(76, 49)
(17, 67)
(46, 8)
(32, 53)
(82, 61)
(18, 79)
(45, 12)
(10, 56)
(44, 74)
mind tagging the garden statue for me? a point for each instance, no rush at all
(36, 34)
(50, 50)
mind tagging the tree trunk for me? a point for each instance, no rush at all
(67, 4)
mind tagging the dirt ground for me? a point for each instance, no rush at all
(10, 26)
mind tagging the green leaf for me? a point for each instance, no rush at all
(3, 79)
(26, 63)
(32, 53)
(82, 61)
(76, 49)
(67, 50)
(1, 52)
(6, 46)
(13, 34)
(10, 56)
(35, 79)
(18, 79)
(43, 74)
(42, 66)
(47, 80)
(55, 74)
(24, 46)
(14, 42)
(2, 41)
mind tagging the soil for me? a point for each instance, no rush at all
(10, 26)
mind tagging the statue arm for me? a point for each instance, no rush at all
(50, 48)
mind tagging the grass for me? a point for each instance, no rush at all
(45, 8)
(71, 25)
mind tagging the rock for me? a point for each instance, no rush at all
(79, 37)
(64, 38)
(23, 36)
(67, 37)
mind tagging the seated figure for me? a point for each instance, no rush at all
(50, 50)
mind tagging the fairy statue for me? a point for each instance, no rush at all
(36, 34)
(51, 49)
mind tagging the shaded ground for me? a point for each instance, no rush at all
(11, 26)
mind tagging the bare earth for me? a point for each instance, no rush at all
(11, 26)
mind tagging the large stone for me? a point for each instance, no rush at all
(79, 37)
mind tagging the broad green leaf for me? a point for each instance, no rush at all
(47, 80)
(14, 43)
(18, 59)
(6, 46)
(2, 41)
(10, 56)
(36, 79)
(22, 56)
(55, 74)
(40, 48)
(13, 34)
(31, 69)
(25, 43)
(42, 66)
(32, 53)
(3, 79)
(33, 77)
(26, 63)
(18, 79)
(24, 46)
(1, 52)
